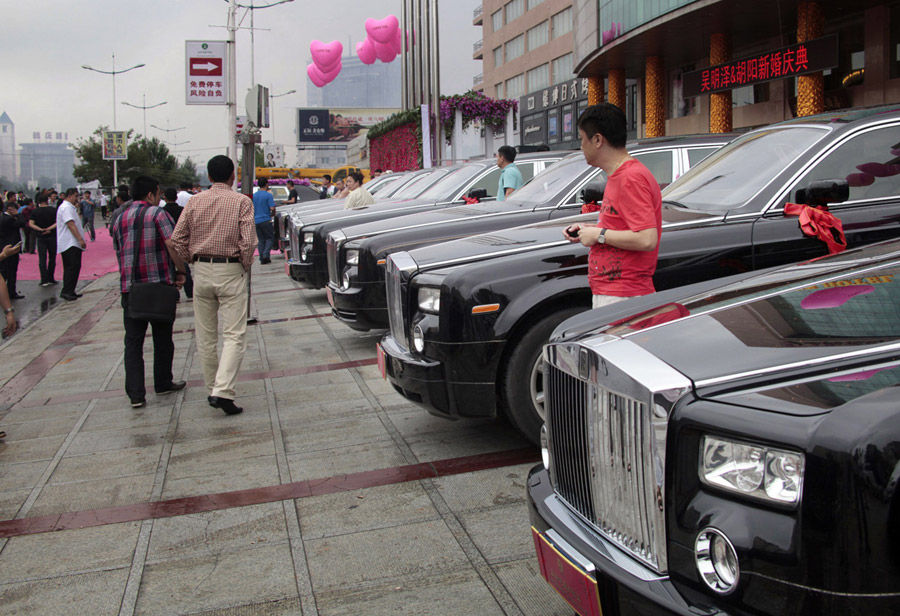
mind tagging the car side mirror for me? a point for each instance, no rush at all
(478, 193)
(593, 192)
(823, 192)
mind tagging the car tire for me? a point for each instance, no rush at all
(522, 388)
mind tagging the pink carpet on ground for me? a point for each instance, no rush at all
(98, 260)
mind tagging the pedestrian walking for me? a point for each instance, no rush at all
(104, 206)
(87, 214)
(217, 235)
(70, 243)
(624, 245)
(10, 226)
(174, 210)
(263, 209)
(142, 239)
(43, 224)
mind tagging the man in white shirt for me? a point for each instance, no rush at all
(183, 195)
(359, 197)
(69, 243)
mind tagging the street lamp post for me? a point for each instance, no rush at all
(113, 72)
(145, 107)
(167, 130)
(272, 109)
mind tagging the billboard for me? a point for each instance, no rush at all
(115, 145)
(338, 125)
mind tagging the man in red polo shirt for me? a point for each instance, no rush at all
(625, 242)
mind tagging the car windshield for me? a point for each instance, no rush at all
(383, 185)
(415, 187)
(550, 181)
(448, 185)
(727, 179)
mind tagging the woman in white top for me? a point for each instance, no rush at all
(359, 197)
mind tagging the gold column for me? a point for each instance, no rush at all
(719, 102)
(810, 88)
(595, 90)
(617, 87)
(654, 100)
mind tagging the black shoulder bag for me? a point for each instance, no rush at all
(149, 301)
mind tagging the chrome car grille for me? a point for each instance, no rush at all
(608, 448)
(332, 252)
(396, 296)
(295, 242)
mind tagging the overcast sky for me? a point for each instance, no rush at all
(45, 42)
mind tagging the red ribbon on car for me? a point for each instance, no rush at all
(590, 206)
(819, 222)
(471, 200)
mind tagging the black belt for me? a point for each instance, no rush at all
(207, 259)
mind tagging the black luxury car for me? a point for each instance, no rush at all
(308, 262)
(729, 447)
(357, 254)
(469, 317)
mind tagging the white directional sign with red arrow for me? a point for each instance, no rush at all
(205, 76)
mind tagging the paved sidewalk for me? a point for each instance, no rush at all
(331, 494)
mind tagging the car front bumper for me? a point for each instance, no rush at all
(360, 307)
(432, 385)
(306, 273)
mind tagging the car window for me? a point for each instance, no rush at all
(695, 155)
(418, 185)
(489, 182)
(870, 162)
(729, 178)
(550, 181)
(446, 187)
(659, 164)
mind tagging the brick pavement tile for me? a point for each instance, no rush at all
(21, 475)
(532, 593)
(11, 501)
(121, 415)
(97, 593)
(92, 494)
(362, 558)
(501, 533)
(295, 412)
(466, 441)
(39, 428)
(362, 510)
(68, 552)
(119, 438)
(454, 593)
(201, 456)
(224, 476)
(217, 531)
(345, 432)
(28, 450)
(107, 464)
(485, 489)
(197, 427)
(217, 581)
(282, 607)
(332, 462)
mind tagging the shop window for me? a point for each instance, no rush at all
(682, 106)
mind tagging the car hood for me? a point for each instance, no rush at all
(340, 213)
(826, 318)
(535, 236)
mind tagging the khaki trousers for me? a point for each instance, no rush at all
(220, 297)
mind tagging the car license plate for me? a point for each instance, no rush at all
(575, 585)
(381, 361)
(330, 297)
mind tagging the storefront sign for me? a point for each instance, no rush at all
(337, 124)
(549, 115)
(533, 131)
(807, 57)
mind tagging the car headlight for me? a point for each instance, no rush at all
(753, 470)
(304, 252)
(430, 299)
(308, 237)
(418, 338)
(352, 256)
(345, 280)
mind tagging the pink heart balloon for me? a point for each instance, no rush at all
(382, 30)
(366, 51)
(385, 52)
(398, 41)
(315, 75)
(326, 55)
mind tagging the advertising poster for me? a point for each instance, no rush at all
(115, 145)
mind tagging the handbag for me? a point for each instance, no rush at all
(149, 301)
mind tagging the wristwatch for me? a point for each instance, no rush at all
(601, 239)
(8, 310)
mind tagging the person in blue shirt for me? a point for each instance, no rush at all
(510, 176)
(263, 209)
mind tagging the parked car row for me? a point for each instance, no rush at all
(725, 445)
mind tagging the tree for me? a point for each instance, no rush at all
(145, 157)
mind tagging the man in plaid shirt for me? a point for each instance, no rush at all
(157, 261)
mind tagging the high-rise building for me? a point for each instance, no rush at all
(359, 85)
(8, 166)
(48, 163)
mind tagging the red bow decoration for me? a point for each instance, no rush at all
(471, 200)
(590, 206)
(819, 222)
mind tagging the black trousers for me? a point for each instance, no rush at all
(163, 353)
(46, 248)
(71, 260)
(9, 269)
